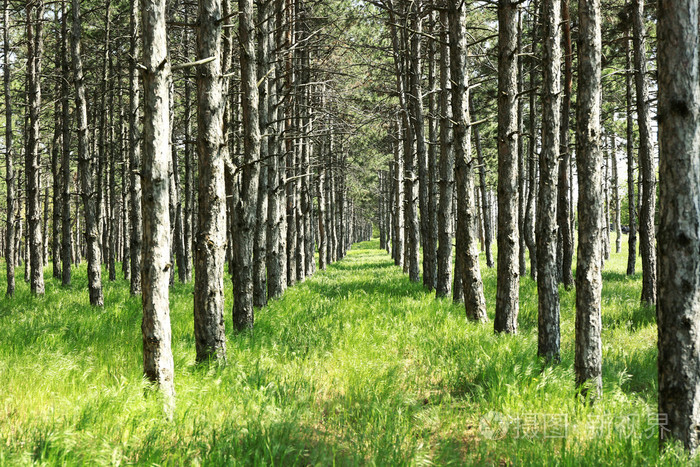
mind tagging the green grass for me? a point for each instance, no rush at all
(356, 365)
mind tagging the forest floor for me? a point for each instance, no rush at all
(356, 365)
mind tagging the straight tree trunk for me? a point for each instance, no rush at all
(447, 161)
(399, 243)
(485, 206)
(615, 193)
(632, 239)
(260, 240)
(135, 142)
(474, 301)
(56, 146)
(431, 238)
(547, 278)
(566, 236)
(507, 300)
(35, 12)
(211, 220)
(530, 211)
(678, 307)
(647, 234)
(244, 212)
(10, 250)
(588, 353)
(157, 353)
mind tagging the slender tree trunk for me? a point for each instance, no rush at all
(474, 301)
(632, 240)
(35, 12)
(189, 180)
(507, 300)
(564, 202)
(445, 218)
(56, 147)
(244, 213)
(275, 191)
(211, 226)
(616, 193)
(431, 238)
(157, 353)
(547, 277)
(399, 244)
(588, 355)
(530, 211)
(678, 307)
(485, 206)
(647, 234)
(10, 250)
(522, 166)
(135, 142)
(260, 240)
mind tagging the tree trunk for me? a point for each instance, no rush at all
(210, 239)
(647, 234)
(678, 306)
(244, 212)
(530, 211)
(399, 243)
(10, 250)
(431, 238)
(632, 239)
(157, 354)
(474, 301)
(485, 206)
(135, 142)
(260, 240)
(588, 354)
(508, 243)
(35, 11)
(566, 236)
(56, 179)
(547, 278)
(615, 193)
(447, 161)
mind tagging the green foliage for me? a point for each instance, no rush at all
(355, 365)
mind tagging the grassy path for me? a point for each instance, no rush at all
(355, 365)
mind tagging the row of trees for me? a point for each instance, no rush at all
(268, 188)
(423, 190)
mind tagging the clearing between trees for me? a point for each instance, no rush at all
(357, 364)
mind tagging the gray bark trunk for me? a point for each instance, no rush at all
(564, 203)
(507, 300)
(210, 239)
(615, 193)
(157, 353)
(530, 211)
(474, 301)
(485, 206)
(245, 209)
(632, 239)
(10, 250)
(678, 306)
(547, 278)
(32, 163)
(399, 241)
(136, 234)
(647, 234)
(447, 161)
(588, 354)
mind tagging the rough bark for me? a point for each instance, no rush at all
(135, 152)
(445, 218)
(474, 301)
(32, 163)
(244, 212)
(530, 211)
(210, 239)
(155, 327)
(548, 334)
(431, 238)
(615, 193)
(260, 240)
(647, 234)
(10, 235)
(588, 353)
(632, 239)
(678, 306)
(566, 236)
(507, 300)
(485, 206)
